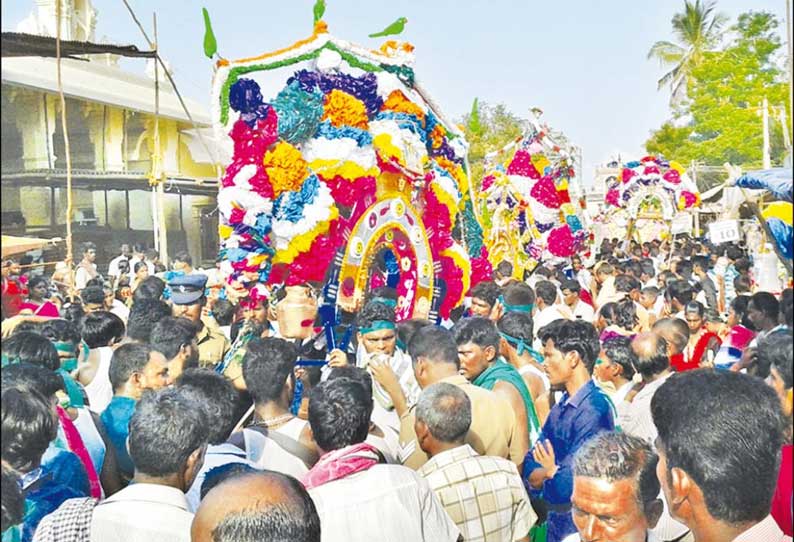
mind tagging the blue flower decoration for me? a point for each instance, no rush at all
(573, 222)
(299, 112)
(329, 131)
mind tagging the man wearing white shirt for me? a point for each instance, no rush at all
(547, 311)
(167, 441)
(616, 365)
(113, 267)
(570, 295)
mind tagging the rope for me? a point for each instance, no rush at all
(69, 202)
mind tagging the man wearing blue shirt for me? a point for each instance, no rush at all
(570, 349)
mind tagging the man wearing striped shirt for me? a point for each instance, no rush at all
(483, 495)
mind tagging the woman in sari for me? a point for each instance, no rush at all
(37, 302)
(703, 344)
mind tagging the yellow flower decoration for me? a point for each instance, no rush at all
(343, 109)
(398, 102)
(387, 149)
(456, 171)
(224, 231)
(437, 136)
(303, 242)
(286, 168)
(540, 162)
(348, 170)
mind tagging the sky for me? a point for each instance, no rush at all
(582, 62)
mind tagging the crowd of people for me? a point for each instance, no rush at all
(644, 398)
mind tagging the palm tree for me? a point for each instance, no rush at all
(697, 30)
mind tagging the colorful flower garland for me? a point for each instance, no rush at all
(338, 137)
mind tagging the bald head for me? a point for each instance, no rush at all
(673, 330)
(254, 507)
(652, 356)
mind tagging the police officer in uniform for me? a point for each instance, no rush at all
(188, 298)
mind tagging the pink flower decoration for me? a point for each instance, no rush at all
(561, 242)
(649, 170)
(627, 174)
(688, 198)
(236, 216)
(613, 198)
(545, 192)
(522, 165)
(672, 176)
(487, 182)
(481, 269)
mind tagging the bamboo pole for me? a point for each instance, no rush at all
(67, 150)
(163, 233)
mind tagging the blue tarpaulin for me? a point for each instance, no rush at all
(778, 181)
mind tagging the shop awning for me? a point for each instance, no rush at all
(19, 245)
(21, 44)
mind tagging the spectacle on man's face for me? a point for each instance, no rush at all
(606, 511)
(474, 359)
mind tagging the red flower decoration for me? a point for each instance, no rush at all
(649, 170)
(487, 182)
(236, 216)
(561, 242)
(522, 165)
(628, 174)
(564, 196)
(613, 198)
(672, 176)
(545, 192)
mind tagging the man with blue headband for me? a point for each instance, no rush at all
(389, 365)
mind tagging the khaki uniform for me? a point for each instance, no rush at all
(493, 427)
(212, 344)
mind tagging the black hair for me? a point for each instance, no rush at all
(373, 311)
(696, 307)
(339, 413)
(165, 429)
(28, 427)
(13, 500)
(733, 252)
(518, 293)
(518, 325)
(138, 266)
(31, 348)
(32, 377)
(619, 352)
(144, 314)
(436, 344)
(407, 328)
(737, 476)
(217, 475)
(93, 294)
(680, 290)
(622, 313)
(27, 326)
(546, 291)
(128, 359)
(72, 311)
(653, 360)
(183, 257)
(223, 312)
(626, 283)
(96, 281)
(573, 336)
(742, 265)
(151, 287)
(354, 373)
(739, 306)
(741, 284)
(477, 330)
(571, 285)
(293, 518)
(684, 268)
(487, 291)
(767, 304)
(634, 268)
(704, 262)
(152, 254)
(647, 268)
(775, 350)
(85, 247)
(651, 291)
(787, 307)
(266, 365)
(101, 327)
(216, 395)
(170, 334)
(35, 281)
(123, 265)
(505, 269)
(61, 330)
(614, 456)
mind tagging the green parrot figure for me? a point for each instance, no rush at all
(210, 45)
(392, 30)
(319, 10)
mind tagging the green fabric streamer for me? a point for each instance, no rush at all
(472, 230)
(210, 45)
(377, 325)
(501, 371)
(72, 388)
